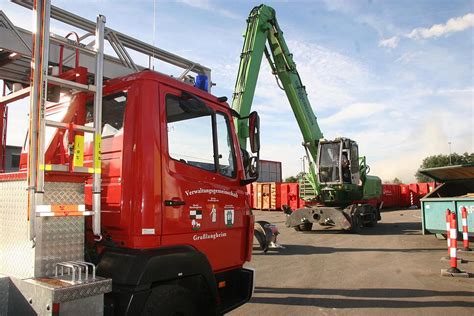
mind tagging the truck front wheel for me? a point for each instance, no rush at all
(170, 300)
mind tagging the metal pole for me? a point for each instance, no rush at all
(42, 99)
(96, 186)
(38, 8)
(449, 143)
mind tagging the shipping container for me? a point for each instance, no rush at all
(455, 193)
(290, 195)
(425, 188)
(391, 195)
(267, 196)
(249, 188)
(404, 195)
(269, 171)
(414, 194)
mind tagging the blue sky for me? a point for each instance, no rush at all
(396, 76)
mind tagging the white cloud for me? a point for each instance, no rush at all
(391, 42)
(353, 112)
(453, 25)
(409, 57)
(208, 6)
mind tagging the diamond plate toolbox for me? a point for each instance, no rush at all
(17, 257)
(58, 239)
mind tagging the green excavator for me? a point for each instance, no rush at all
(337, 188)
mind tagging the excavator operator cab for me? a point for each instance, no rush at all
(338, 162)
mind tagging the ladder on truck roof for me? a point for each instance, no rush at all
(15, 40)
(16, 56)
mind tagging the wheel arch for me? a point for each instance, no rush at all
(135, 272)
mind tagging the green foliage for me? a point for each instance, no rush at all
(442, 161)
(294, 179)
(396, 181)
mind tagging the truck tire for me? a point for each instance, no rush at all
(170, 300)
(305, 227)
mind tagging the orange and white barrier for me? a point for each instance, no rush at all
(453, 271)
(453, 235)
(465, 235)
(448, 226)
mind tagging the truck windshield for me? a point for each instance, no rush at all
(329, 162)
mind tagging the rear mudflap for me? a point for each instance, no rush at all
(237, 288)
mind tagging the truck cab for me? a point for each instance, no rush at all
(174, 206)
(172, 192)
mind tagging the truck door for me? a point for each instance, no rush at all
(204, 204)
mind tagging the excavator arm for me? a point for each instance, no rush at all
(263, 36)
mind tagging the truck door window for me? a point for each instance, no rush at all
(113, 109)
(225, 147)
(190, 137)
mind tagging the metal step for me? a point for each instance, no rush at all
(307, 191)
(71, 84)
(61, 125)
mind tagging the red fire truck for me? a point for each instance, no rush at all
(130, 199)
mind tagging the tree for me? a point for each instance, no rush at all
(442, 161)
(396, 181)
(296, 178)
(292, 179)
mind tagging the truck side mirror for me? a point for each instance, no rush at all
(254, 132)
(251, 166)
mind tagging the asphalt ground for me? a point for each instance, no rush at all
(389, 269)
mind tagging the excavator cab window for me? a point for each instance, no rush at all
(330, 154)
(355, 168)
(345, 167)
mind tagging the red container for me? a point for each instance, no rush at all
(284, 194)
(431, 186)
(404, 195)
(249, 188)
(290, 195)
(391, 195)
(425, 188)
(415, 194)
(301, 203)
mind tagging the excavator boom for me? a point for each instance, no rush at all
(337, 176)
(264, 37)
